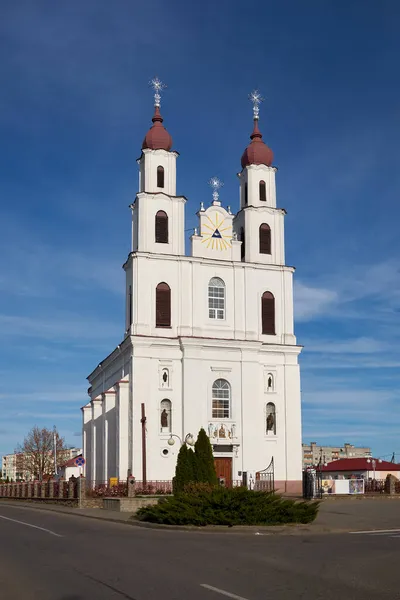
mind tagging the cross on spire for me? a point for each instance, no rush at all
(157, 86)
(256, 99)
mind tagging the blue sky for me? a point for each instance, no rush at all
(74, 108)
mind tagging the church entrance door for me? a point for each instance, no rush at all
(223, 467)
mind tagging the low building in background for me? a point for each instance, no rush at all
(70, 469)
(12, 465)
(360, 468)
(314, 454)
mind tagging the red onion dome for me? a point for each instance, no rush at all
(257, 152)
(157, 138)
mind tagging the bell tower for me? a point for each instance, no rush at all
(259, 223)
(157, 212)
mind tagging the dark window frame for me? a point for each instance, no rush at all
(268, 314)
(163, 306)
(243, 246)
(262, 191)
(161, 227)
(160, 176)
(264, 234)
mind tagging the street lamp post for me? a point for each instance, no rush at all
(189, 439)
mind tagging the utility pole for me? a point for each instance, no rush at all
(143, 422)
(55, 450)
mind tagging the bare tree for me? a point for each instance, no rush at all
(38, 452)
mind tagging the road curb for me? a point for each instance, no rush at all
(270, 530)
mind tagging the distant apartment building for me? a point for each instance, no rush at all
(314, 454)
(12, 465)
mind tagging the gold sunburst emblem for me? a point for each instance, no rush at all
(215, 235)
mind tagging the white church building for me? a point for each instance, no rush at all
(209, 339)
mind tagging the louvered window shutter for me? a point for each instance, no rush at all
(263, 194)
(160, 177)
(265, 239)
(163, 305)
(268, 313)
(161, 227)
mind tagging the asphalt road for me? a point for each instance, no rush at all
(50, 556)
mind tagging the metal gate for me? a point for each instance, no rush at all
(265, 480)
(312, 484)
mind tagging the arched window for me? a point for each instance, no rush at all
(221, 399)
(163, 305)
(245, 194)
(263, 192)
(270, 382)
(242, 247)
(161, 228)
(270, 419)
(268, 313)
(216, 298)
(165, 378)
(165, 416)
(160, 177)
(265, 239)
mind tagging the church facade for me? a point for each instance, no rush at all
(209, 335)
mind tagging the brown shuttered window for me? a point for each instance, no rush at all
(268, 313)
(265, 239)
(242, 247)
(263, 193)
(163, 305)
(160, 177)
(161, 227)
(130, 306)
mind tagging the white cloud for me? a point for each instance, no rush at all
(311, 302)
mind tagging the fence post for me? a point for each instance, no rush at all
(81, 490)
(131, 486)
(43, 486)
(51, 488)
(71, 489)
(61, 488)
(30, 490)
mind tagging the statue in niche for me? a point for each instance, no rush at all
(164, 418)
(269, 384)
(271, 422)
(221, 432)
(164, 378)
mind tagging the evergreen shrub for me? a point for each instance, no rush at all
(204, 504)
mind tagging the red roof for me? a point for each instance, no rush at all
(157, 138)
(257, 152)
(360, 464)
(71, 461)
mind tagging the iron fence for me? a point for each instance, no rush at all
(374, 486)
(103, 489)
(153, 488)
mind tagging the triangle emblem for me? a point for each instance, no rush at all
(216, 234)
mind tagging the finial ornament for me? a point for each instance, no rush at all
(215, 184)
(157, 86)
(256, 99)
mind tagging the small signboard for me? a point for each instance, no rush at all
(79, 461)
(113, 481)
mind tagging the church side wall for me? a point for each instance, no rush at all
(150, 360)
